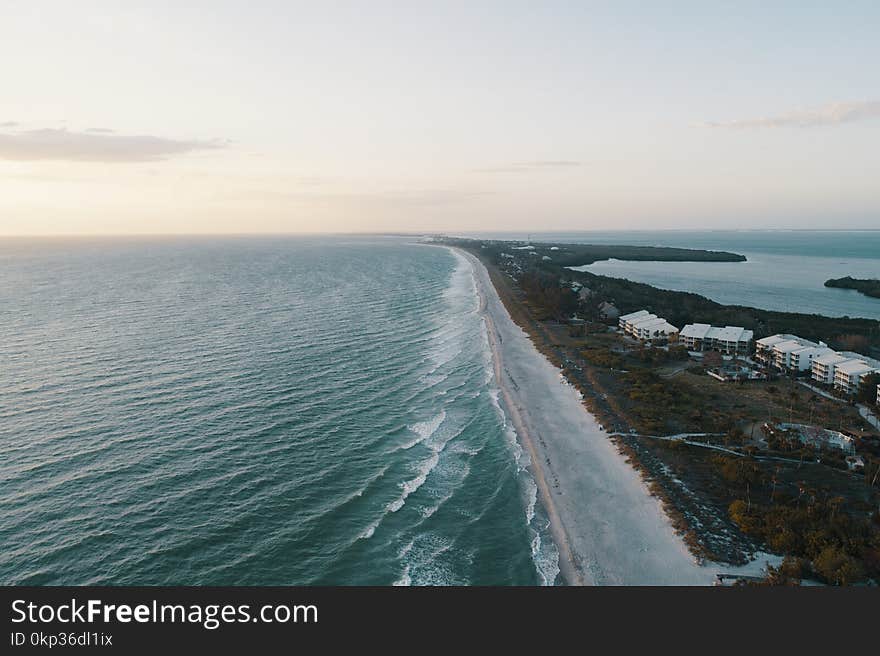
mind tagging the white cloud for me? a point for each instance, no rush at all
(833, 114)
(92, 146)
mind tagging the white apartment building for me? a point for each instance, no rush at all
(789, 352)
(845, 370)
(703, 337)
(848, 375)
(802, 359)
(764, 347)
(646, 326)
(626, 320)
(653, 328)
(825, 365)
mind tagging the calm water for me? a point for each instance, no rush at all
(786, 270)
(254, 411)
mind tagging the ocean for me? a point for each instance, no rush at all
(254, 411)
(785, 269)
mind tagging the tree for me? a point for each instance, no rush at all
(838, 567)
(867, 392)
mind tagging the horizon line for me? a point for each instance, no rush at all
(420, 233)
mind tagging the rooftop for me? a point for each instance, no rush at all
(776, 339)
(634, 315)
(832, 358)
(852, 367)
(648, 318)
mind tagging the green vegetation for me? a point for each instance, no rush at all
(567, 255)
(810, 504)
(868, 287)
(580, 254)
(841, 542)
(867, 392)
(542, 289)
(680, 308)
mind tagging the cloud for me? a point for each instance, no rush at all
(523, 167)
(833, 114)
(400, 198)
(88, 146)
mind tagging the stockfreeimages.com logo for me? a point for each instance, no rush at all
(210, 616)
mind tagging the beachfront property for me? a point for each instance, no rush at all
(824, 367)
(655, 328)
(848, 376)
(801, 359)
(764, 347)
(844, 370)
(645, 326)
(732, 340)
(789, 352)
(626, 320)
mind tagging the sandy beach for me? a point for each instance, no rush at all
(608, 529)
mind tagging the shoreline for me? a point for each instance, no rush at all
(567, 568)
(607, 527)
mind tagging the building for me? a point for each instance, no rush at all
(789, 352)
(731, 340)
(625, 321)
(646, 326)
(764, 347)
(801, 359)
(825, 365)
(653, 327)
(848, 375)
(844, 370)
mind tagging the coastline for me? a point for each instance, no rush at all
(607, 527)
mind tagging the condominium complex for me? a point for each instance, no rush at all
(848, 376)
(824, 367)
(844, 370)
(646, 326)
(731, 340)
(626, 320)
(789, 352)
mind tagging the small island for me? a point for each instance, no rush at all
(868, 287)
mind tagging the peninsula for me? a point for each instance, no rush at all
(867, 286)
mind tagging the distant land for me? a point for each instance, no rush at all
(566, 255)
(868, 287)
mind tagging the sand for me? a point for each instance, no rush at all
(607, 527)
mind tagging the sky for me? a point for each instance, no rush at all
(274, 117)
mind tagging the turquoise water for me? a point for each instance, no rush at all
(254, 411)
(785, 270)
